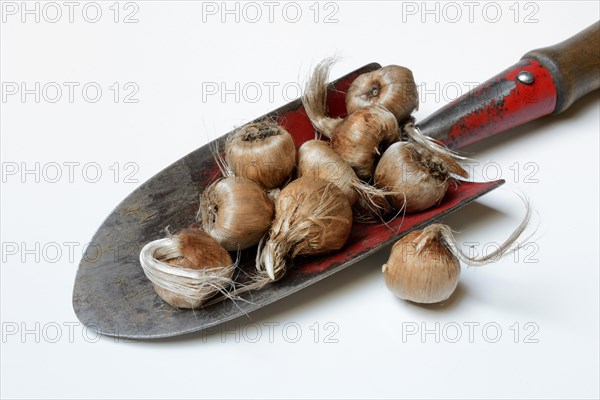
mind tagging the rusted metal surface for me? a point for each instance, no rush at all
(112, 294)
(501, 103)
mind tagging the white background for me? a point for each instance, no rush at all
(535, 321)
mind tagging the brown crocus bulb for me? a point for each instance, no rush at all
(361, 136)
(187, 268)
(317, 159)
(417, 175)
(236, 212)
(392, 87)
(421, 268)
(263, 152)
(424, 267)
(312, 216)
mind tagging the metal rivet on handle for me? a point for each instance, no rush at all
(526, 77)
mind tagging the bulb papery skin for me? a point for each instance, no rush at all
(188, 268)
(317, 159)
(314, 99)
(417, 176)
(312, 216)
(392, 87)
(421, 268)
(317, 209)
(236, 212)
(262, 152)
(371, 210)
(362, 135)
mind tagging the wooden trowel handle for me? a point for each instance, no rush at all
(545, 81)
(574, 65)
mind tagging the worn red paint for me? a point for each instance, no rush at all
(368, 236)
(502, 111)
